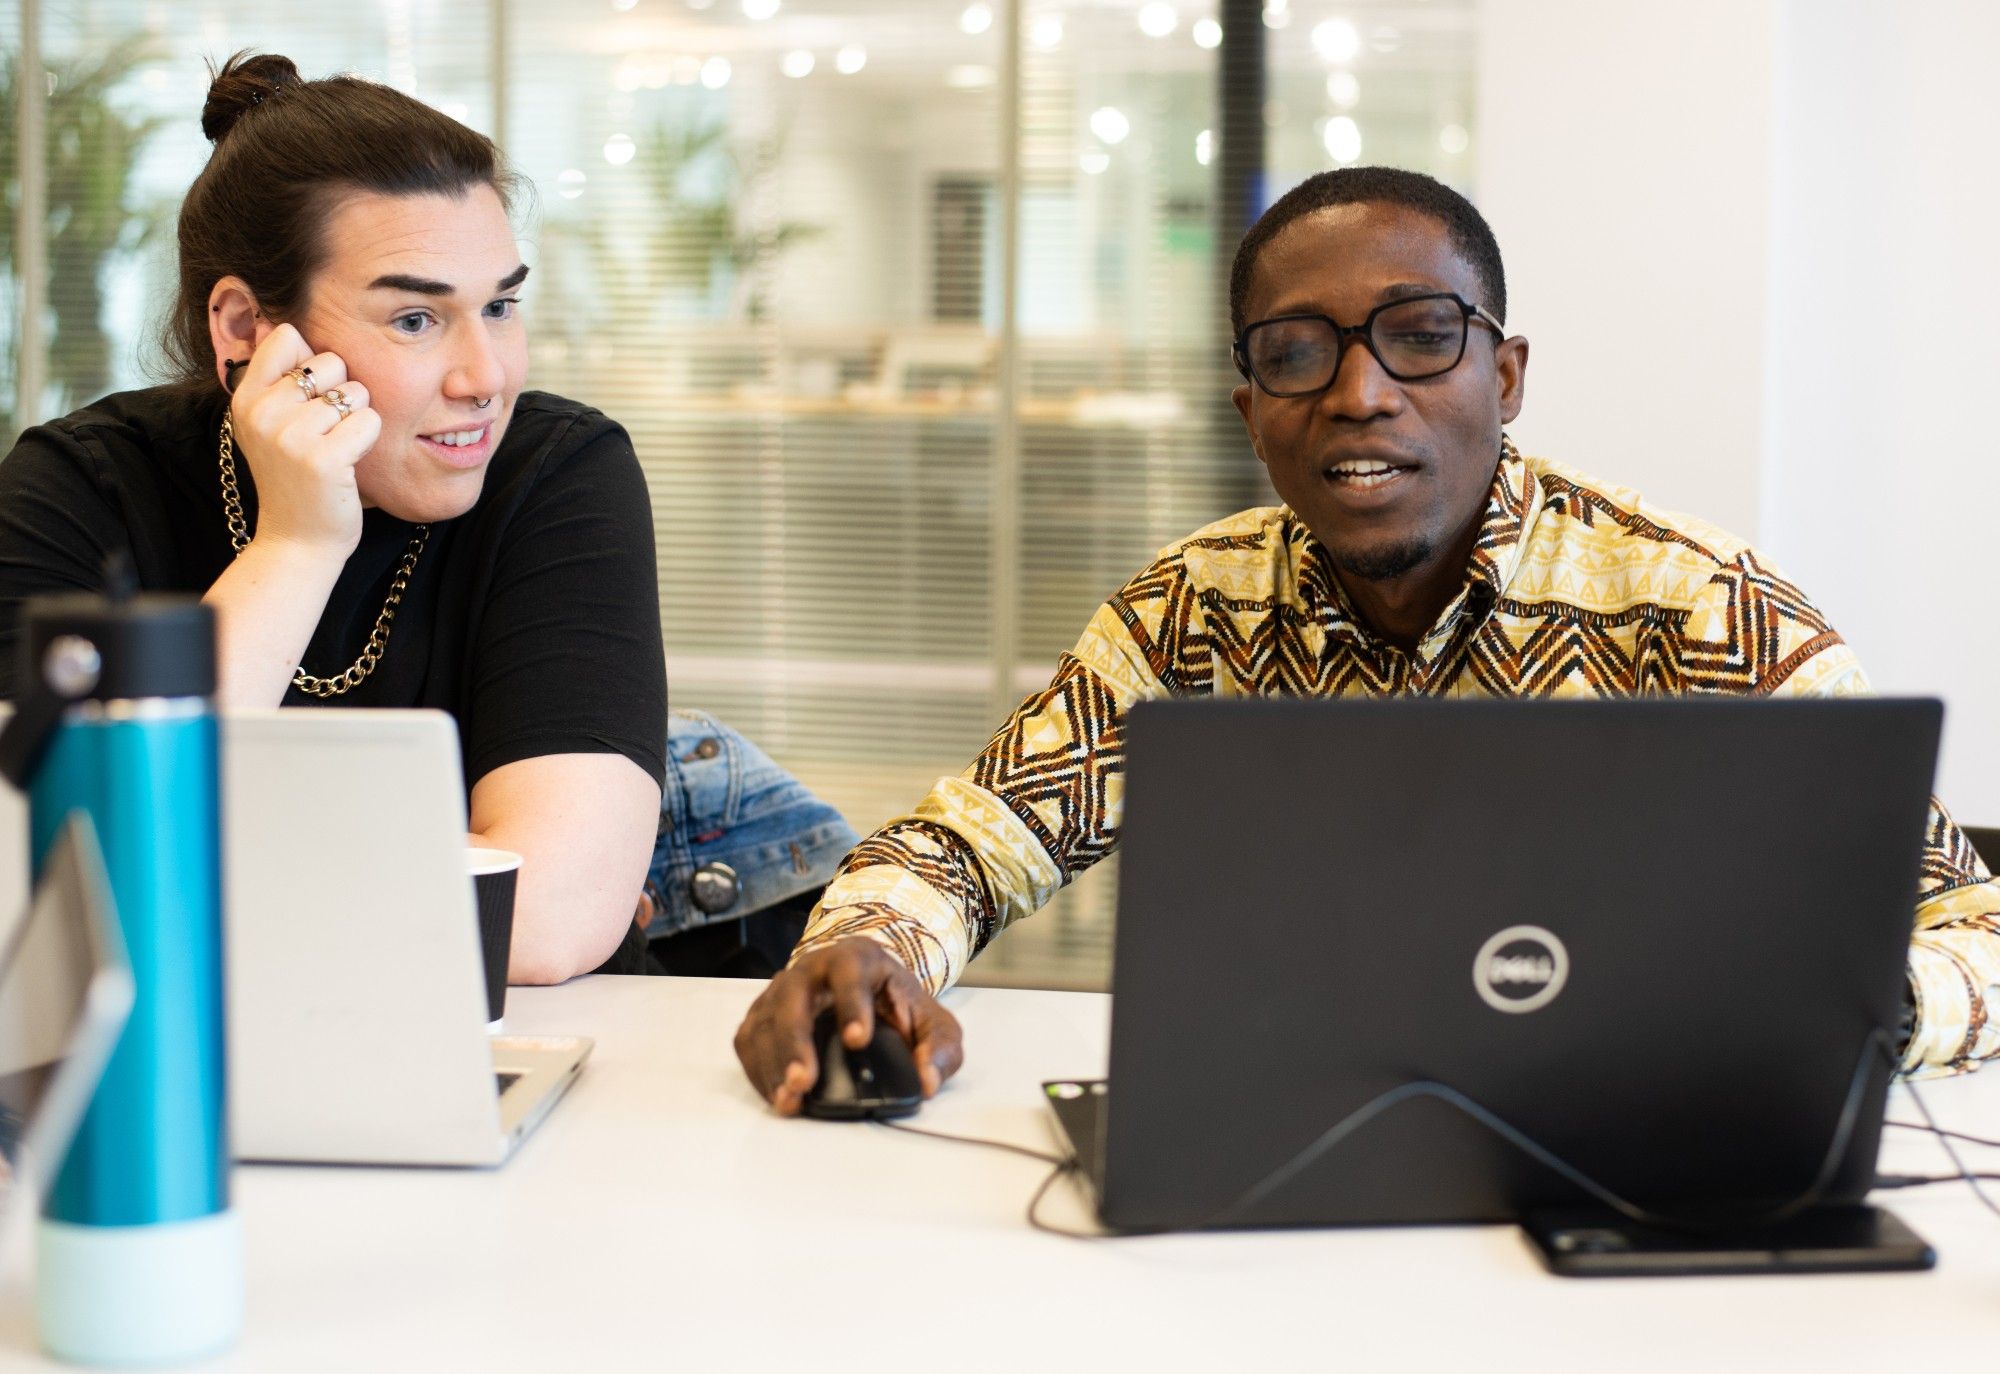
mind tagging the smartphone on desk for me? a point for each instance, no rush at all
(1599, 1243)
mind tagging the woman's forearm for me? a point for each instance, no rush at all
(267, 604)
(584, 826)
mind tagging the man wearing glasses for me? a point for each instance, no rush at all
(1417, 553)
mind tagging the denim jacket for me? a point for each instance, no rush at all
(737, 832)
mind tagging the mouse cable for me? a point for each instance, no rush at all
(1063, 1164)
(1925, 1180)
(1944, 1139)
(1044, 1156)
(1954, 1135)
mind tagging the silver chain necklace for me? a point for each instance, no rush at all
(378, 638)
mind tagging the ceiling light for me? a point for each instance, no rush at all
(976, 19)
(1094, 162)
(1158, 19)
(970, 77)
(1343, 90)
(1207, 33)
(1277, 14)
(569, 183)
(850, 59)
(1454, 139)
(715, 73)
(1047, 31)
(759, 9)
(1336, 40)
(1110, 124)
(797, 63)
(1343, 140)
(1204, 147)
(618, 149)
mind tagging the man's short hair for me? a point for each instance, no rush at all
(1470, 234)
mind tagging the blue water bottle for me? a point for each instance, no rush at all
(139, 1251)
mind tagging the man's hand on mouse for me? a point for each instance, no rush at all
(860, 980)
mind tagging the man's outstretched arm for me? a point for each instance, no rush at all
(915, 901)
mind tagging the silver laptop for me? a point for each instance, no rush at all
(357, 1000)
(65, 991)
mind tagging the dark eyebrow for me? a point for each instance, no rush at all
(424, 286)
(421, 286)
(1410, 288)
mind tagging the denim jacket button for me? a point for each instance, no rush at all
(708, 748)
(714, 887)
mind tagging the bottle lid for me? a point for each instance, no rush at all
(148, 645)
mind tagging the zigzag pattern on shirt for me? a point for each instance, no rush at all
(1949, 859)
(1768, 627)
(1506, 512)
(915, 947)
(1053, 761)
(1158, 609)
(1580, 503)
(943, 860)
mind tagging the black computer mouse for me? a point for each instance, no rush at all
(876, 1082)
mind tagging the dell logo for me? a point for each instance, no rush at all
(1520, 969)
(1537, 969)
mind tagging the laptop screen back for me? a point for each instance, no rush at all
(1657, 936)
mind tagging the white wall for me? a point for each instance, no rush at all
(1783, 191)
(1883, 472)
(1624, 156)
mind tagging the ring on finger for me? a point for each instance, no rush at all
(336, 398)
(304, 377)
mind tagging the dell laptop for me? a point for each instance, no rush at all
(1383, 961)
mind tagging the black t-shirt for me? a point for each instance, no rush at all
(533, 618)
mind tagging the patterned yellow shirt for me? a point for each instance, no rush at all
(1575, 589)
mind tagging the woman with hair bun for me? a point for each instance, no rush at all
(349, 469)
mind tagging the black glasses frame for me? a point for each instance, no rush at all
(1239, 350)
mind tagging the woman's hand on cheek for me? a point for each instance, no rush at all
(301, 451)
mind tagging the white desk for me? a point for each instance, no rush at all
(661, 1219)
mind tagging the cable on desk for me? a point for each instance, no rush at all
(1035, 1209)
(1944, 1139)
(1924, 1180)
(1955, 1135)
(1062, 1161)
(1064, 1164)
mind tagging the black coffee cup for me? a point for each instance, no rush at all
(495, 874)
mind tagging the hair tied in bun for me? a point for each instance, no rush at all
(244, 82)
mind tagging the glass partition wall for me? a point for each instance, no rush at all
(891, 479)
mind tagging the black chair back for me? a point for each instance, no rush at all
(1986, 840)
